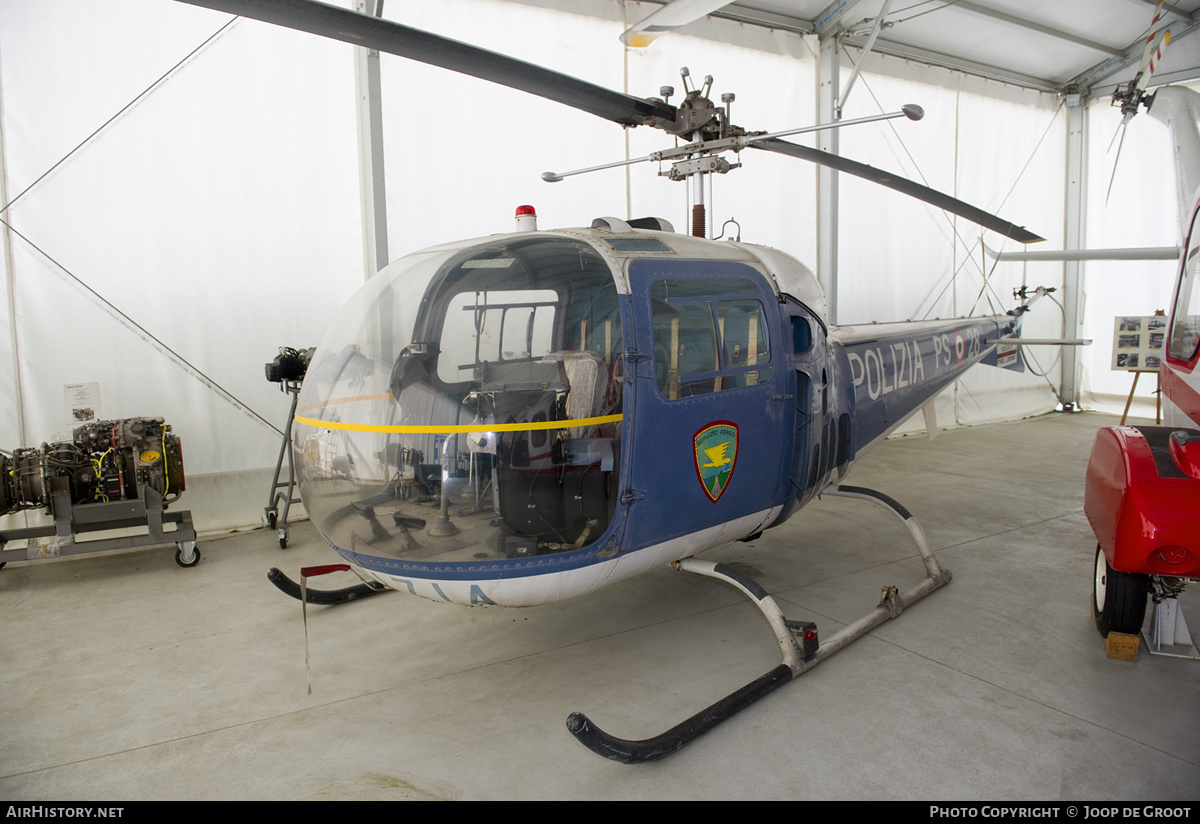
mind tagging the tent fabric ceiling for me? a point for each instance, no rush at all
(1051, 45)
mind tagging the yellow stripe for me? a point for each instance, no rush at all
(450, 428)
(356, 399)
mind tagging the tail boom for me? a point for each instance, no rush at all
(896, 368)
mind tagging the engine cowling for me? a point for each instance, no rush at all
(1142, 503)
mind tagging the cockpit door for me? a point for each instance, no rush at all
(713, 424)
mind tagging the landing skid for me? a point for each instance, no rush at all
(321, 597)
(797, 642)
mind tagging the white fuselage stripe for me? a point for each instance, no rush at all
(530, 590)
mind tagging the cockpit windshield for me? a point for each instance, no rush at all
(466, 406)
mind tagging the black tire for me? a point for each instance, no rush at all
(283, 543)
(1118, 598)
(179, 558)
(271, 519)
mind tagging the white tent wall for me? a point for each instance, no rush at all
(176, 250)
(461, 154)
(991, 145)
(220, 214)
(10, 419)
(481, 148)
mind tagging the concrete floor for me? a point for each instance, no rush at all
(124, 677)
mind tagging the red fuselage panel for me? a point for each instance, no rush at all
(1141, 505)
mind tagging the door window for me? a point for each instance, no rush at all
(709, 336)
(1185, 323)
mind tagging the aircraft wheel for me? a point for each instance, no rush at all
(1118, 598)
(195, 556)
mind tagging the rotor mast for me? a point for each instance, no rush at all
(710, 133)
(702, 122)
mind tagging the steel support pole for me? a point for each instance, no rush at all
(17, 389)
(372, 187)
(1076, 194)
(369, 106)
(828, 81)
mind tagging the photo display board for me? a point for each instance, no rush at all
(1138, 342)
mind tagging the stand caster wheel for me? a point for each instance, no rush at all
(180, 557)
(271, 520)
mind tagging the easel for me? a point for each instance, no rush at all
(1137, 343)
(1137, 373)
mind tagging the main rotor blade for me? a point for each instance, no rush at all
(1150, 39)
(435, 50)
(1117, 161)
(668, 18)
(901, 184)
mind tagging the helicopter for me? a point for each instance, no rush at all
(1142, 481)
(525, 418)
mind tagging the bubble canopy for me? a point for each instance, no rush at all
(465, 407)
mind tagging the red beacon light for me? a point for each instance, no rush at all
(526, 219)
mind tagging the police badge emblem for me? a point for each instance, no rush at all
(715, 449)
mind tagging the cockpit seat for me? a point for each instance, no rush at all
(586, 376)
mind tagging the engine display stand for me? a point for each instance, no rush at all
(275, 519)
(71, 520)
